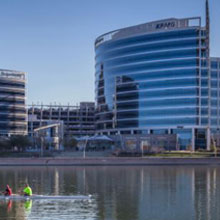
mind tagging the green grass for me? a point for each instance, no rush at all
(183, 154)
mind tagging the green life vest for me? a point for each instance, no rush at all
(28, 191)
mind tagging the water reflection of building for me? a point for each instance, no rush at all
(122, 193)
(50, 181)
(166, 193)
(207, 193)
(12, 210)
(117, 191)
(179, 193)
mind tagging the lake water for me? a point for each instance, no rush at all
(119, 193)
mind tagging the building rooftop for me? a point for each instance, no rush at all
(14, 74)
(155, 26)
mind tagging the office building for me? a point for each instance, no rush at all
(13, 114)
(159, 78)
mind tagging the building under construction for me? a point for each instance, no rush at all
(78, 120)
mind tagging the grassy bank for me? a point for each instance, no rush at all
(184, 154)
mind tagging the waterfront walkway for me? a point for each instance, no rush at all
(107, 161)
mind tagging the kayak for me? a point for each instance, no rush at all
(42, 197)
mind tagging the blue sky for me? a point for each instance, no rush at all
(53, 40)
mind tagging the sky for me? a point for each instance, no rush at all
(53, 40)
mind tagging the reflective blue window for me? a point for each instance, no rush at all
(149, 48)
(204, 82)
(204, 101)
(168, 112)
(203, 63)
(157, 103)
(213, 121)
(214, 112)
(149, 57)
(153, 66)
(168, 83)
(204, 121)
(204, 73)
(157, 113)
(168, 93)
(214, 102)
(204, 92)
(148, 38)
(204, 111)
(214, 93)
(127, 124)
(214, 74)
(163, 74)
(127, 114)
(214, 84)
(159, 122)
(156, 94)
(214, 64)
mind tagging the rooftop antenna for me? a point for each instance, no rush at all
(208, 142)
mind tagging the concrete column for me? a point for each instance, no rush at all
(193, 139)
(56, 131)
(169, 131)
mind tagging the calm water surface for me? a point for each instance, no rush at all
(119, 193)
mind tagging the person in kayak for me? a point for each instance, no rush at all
(27, 190)
(8, 191)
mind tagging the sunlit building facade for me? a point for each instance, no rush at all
(13, 114)
(158, 78)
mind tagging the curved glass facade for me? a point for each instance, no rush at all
(13, 116)
(148, 79)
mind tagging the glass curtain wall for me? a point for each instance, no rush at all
(156, 81)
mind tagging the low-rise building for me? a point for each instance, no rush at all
(78, 120)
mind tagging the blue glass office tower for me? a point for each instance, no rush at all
(156, 78)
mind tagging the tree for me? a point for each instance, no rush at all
(19, 141)
(70, 143)
(4, 144)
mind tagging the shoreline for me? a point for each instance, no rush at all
(107, 161)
